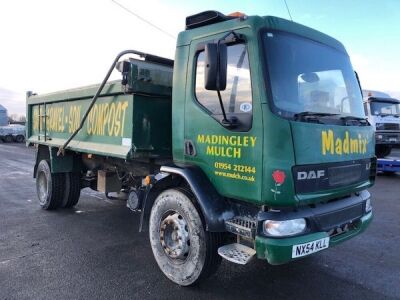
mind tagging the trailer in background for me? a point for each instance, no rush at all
(12, 133)
(388, 165)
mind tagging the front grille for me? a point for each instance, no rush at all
(325, 176)
(388, 126)
(342, 229)
(337, 218)
(344, 174)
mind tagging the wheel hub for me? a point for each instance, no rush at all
(174, 236)
(42, 187)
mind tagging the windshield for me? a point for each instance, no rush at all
(306, 76)
(385, 108)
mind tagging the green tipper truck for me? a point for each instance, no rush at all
(251, 143)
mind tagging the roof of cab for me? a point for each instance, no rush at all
(384, 100)
(257, 23)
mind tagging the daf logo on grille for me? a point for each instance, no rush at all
(303, 175)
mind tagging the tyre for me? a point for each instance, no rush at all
(49, 186)
(389, 173)
(8, 138)
(72, 190)
(382, 150)
(185, 252)
(20, 138)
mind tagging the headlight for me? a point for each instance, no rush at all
(368, 206)
(284, 228)
(379, 136)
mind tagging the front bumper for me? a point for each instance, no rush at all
(279, 250)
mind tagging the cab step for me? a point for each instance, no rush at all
(237, 253)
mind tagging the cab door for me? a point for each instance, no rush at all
(231, 156)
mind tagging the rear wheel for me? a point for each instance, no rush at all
(20, 138)
(184, 251)
(72, 190)
(49, 186)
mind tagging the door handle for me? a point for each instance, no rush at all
(190, 149)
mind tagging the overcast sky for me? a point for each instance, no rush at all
(52, 45)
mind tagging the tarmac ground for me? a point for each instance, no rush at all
(94, 251)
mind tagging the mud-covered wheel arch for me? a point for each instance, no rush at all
(42, 153)
(185, 252)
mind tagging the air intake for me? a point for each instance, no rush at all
(206, 18)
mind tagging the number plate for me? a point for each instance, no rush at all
(310, 247)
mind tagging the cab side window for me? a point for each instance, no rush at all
(236, 97)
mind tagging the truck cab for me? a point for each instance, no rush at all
(384, 115)
(297, 151)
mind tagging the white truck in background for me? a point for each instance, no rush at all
(383, 112)
(12, 133)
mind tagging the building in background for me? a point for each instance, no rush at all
(3, 116)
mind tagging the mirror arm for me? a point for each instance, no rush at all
(225, 120)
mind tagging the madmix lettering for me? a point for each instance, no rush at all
(349, 144)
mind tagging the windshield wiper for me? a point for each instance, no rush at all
(353, 118)
(362, 121)
(309, 114)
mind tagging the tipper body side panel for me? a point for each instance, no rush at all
(122, 125)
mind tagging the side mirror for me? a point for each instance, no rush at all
(310, 77)
(215, 68)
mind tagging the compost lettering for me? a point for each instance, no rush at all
(107, 119)
(104, 119)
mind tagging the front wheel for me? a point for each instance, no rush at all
(8, 138)
(184, 251)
